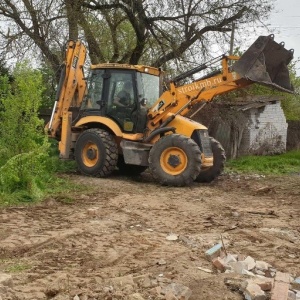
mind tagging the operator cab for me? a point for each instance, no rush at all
(123, 93)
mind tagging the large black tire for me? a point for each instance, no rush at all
(96, 152)
(128, 169)
(208, 175)
(175, 160)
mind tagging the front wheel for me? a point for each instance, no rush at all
(175, 160)
(96, 152)
(208, 175)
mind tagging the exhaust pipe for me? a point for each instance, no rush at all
(265, 62)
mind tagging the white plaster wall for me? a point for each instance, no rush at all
(267, 130)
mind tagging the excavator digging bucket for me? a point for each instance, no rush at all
(266, 62)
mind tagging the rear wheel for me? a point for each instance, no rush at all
(175, 160)
(208, 175)
(128, 169)
(96, 152)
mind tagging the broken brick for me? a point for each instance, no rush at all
(280, 291)
(254, 292)
(265, 284)
(281, 286)
(219, 264)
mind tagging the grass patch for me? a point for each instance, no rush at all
(18, 267)
(64, 190)
(287, 163)
(57, 185)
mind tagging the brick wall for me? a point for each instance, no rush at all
(266, 132)
(260, 130)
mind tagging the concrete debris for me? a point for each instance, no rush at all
(266, 284)
(262, 265)
(6, 280)
(205, 270)
(239, 266)
(251, 264)
(108, 289)
(136, 296)
(263, 281)
(235, 214)
(254, 292)
(172, 237)
(296, 283)
(93, 211)
(235, 284)
(177, 290)
(119, 282)
(229, 259)
(214, 252)
(161, 262)
(291, 295)
(159, 287)
(246, 272)
(163, 280)
(145, 281)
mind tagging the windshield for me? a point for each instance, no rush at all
(95, 89)
(150, 88)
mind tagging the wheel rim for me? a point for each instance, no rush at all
(90, 154)
(173, 161)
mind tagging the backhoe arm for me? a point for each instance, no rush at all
(180, 99)
(71, 89)
(265, 62)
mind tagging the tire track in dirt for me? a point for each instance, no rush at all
(119, 226)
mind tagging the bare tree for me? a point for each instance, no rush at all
(152, 32)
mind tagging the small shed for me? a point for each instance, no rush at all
(293, 136)
(254, 125)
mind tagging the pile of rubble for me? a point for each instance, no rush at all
(158, 287)
(255, 279)
(127, 287)
(262, 280)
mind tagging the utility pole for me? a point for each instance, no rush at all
(232, 39)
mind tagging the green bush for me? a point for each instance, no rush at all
(23, 144)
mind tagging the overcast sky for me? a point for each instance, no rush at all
(285, 20)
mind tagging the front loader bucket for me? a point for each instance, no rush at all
(266, 62)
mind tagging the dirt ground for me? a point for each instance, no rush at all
(111, 241)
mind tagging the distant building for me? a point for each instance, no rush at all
(253, 125)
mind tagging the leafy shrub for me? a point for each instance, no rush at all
(23, 144)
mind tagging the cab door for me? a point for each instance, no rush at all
(125, 116)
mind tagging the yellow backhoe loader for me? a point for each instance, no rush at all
(103, 131)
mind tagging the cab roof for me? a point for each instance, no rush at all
(138, 68)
